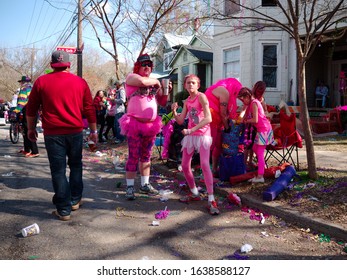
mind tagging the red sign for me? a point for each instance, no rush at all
(70, 50)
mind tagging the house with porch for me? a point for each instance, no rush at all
(269, 54)
(178, 56)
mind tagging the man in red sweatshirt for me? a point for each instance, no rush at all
(63, 98)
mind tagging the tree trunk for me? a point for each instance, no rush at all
(305, 118)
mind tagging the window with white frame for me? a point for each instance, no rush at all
(167, 59)
(185, 70)
(185, 56)
(231, 7)
(231, 63)
(270, 65)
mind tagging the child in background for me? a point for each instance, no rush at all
(258, 91)
(196, 137)
(255, 115)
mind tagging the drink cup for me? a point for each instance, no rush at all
(92, 146)
(165, 83)
(31, 230)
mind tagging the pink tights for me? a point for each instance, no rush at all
(259, 150)
(205, 166)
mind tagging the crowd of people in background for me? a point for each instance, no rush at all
(130, 112)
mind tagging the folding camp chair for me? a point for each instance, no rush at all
(159, 142)
(288, 141)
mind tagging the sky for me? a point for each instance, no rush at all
(41, 23)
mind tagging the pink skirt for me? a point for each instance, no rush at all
(264, 138)
(194, 142)
(130, 126)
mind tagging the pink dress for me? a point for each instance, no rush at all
(264, 134)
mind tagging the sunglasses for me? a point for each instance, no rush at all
(144, 64)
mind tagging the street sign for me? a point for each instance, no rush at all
(70, 50)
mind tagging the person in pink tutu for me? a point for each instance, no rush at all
(222, 98)
(141, 123)
(197, 138)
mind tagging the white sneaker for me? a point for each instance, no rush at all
(256, 180)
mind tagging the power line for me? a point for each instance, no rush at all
(32, 14)
(37, 20)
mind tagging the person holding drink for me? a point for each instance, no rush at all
(141, 123)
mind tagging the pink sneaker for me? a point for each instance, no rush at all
(213, 208)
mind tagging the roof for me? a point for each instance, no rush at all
(159, 75)
(174, 39)
(200, 54)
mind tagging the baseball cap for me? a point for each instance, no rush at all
(143, 57)
(60, 59)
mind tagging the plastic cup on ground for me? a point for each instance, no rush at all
(31, 230)
(165, 83)
(92, 145)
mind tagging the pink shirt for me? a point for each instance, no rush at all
(142, 103)
(195, 115)
(263, 124)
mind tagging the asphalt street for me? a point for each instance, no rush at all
(108, 227)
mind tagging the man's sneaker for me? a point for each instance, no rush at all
(60, 217)
(190, 197)
(213, 207)
(76, 206)
(130, 193)
(148, 189)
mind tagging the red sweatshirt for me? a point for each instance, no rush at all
(64, 98)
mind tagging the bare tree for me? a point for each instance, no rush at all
(15, 63)
(308, 23)
(133, 26)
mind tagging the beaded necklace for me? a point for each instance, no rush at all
(248, 129)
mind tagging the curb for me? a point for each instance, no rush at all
(272, 208)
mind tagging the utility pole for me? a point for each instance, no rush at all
(32, 63)
(33, 51)
(79, 39)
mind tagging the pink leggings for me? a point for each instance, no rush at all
(259, 150)
(205, 166)
(139, 149)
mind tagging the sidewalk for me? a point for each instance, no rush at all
(326, 159)
(336, 160)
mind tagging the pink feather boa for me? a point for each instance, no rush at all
(167, 132)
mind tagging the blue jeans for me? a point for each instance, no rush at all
(67, 192)
(119, 136)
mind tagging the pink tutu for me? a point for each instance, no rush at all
(130, 126)
(194, 142)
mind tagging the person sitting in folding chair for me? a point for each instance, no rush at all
(322, 92)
